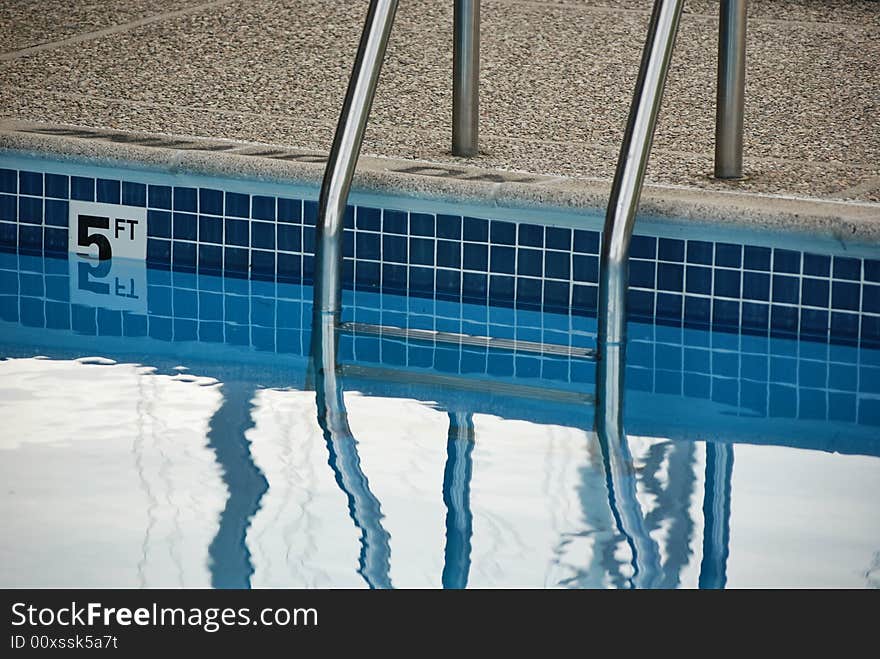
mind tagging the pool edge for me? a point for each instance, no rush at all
(838, 219)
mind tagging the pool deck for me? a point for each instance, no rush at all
(557, 78)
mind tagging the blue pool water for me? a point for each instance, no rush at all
(161, 427)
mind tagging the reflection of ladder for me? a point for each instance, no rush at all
(617, 233)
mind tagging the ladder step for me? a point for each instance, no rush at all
(432, 336)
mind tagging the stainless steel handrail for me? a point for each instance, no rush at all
(731, 90)
(466, 78)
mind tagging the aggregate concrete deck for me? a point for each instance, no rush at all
(557, 78)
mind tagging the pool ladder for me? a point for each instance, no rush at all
(620, 218)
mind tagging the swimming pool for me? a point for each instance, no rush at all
(161, 423)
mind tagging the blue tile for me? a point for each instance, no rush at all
(308, 238)
(185, 330)
(847, 268)
(786, 289)
(185, 303)
(448, 253)
(669, 306)
(814, 292)
(210, 229)
(235, 260)
(158, 251)
(237, 335)
(502, 233)
(642, 247)
(210, 258)
(308, 268)
(448, 284)
(394, 249)
(474, 286)
(184, 256)
(263, 312)
(727, 283)
(237, 309)
(871, 331)
(697, 311)
(367, 275)
(55, 240)
(394, 221)
(32, 284)
(557, 265)
(237, 205)
(289, 267)
(699, 280)
(263, 208)
(421, 280)
(394, 277)
(108, 191)
(584, 299)
(83, 319)
(263, 265)
(449, 226)
(531, 235)
(845, 295)
(782, 401)
(814, 323)
(818, 265)
(8, 181)
(640, 304)
(30, 210)
(421, 224)
(756, 286)
(368, 246)
(290, 238)
(310, 212)
(670, 249)
(57, 212)
(756, 258)
(368, 219)
(8, 208)
(210, 201)
(502, 290)
(57, 186)
(30, 238)
(725, 313)
(32, 312)
(872, 270)
(585, 268)
(586, 242)
(870, 298)
(476, 256)
(531, 262)
(421, 251)
(783, 321)
(699, 251)
(57, 315)
(158, 224)
(728, 255)
(557, 238)
(30, 183)
(786, 260)
(133, 194)
(476, 230)
(263, 235)
(641, 273)
(186, 226)
(159, 196)
(237, 232)
(9, 308)
(186, 199)
(503, 259)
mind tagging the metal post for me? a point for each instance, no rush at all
(731, 90)
(716, 513)
(344, 154)
(466, 78)
(624, 200)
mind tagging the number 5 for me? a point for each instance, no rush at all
(84, 238)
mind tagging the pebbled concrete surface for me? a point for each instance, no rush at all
(557, 77)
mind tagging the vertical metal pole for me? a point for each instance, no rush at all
(344, 154)
(731, 90)
(466, 78)
(716, 513)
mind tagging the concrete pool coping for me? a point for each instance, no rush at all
(827, 218)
